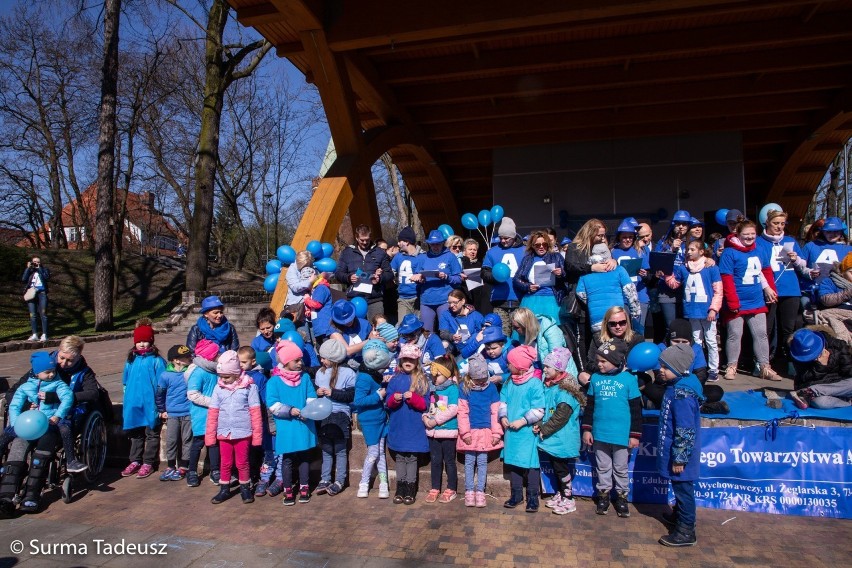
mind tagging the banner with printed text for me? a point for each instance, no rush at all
(802, 471)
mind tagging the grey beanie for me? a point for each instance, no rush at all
(507, 228)
(600, 253)
(333, 350)
(477, 368)
(678, 358)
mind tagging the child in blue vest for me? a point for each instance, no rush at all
(214, 326)
(173, 407)
(521, 406)
(263, 459)
(678, 441)
(141, 373)
(372, 415)
(612, 423)
(559, 430)
(288, 391)
(702, 300)
(406, 402)
(200, 381)
(442, 428)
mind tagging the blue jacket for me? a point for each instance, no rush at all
(523, 277)
(236, 413)
(321, 319)
(433, 291)
(140, 384)
(199, 388)
(679, 429)
(171, 394)
(28, 393)
(602, 290)
(372, 415)
(293, 434)
(450, 324)
(406, 431)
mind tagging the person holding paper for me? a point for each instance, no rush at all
(674, 241)
(472, 277)
(628, 255)
(748, 286)
(783, 254)
(540, 280)
(835, 298)
(365, 268)
(439, 273)
(828, 248)
(460, 323)
(509, 251)
(405, 264)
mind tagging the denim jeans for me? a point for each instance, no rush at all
(270, 466)
(334, 449)
(475, 463)
(430, 315)
(443, 455)
(832, 395)
(38, 306)
(684, 493)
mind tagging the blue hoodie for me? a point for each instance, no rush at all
(171, 393)
(140, 384)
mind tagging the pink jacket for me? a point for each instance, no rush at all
(481, 438)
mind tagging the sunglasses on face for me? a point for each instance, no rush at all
(540, 245)
(456, 247)
(620, 323)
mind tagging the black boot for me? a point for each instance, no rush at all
(603, 503)
(13, 474)
(223, 495)
(680, 536)
(516, 499)
(670, 519)
(401, 492)
(621, 508)
(410, 493)
(532, 501)
(246, 493)
(35, 482)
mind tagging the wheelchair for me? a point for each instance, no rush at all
(89, 429)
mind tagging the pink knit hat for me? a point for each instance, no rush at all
(558, 358)
(287, 351)
(522, 357)
(206, 349)
(410, 351)
(228, 364)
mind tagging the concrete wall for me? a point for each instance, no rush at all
(619, 178)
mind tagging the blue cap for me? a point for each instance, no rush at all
(211, 302)
(565, 241)
(493, 334)
(494, 319)
(435, 237)
(626, 227)
(832, 224)
(409, 324)
(342, 312)
(696, 222)
(681, 216)
(42, 361)
(806, 345)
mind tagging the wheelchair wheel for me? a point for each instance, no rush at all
(67, 489)
(93, 445)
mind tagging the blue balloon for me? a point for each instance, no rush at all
(469, 221)
(263, 359)
(286, 254)
(360, 306)
(497, 213)
(501, 272)
(273, 266)
(643, 357)
(484, 217)
(295, 337)
(317, 409)
(270, 283)
(31, 425)
(327, 250)
(315, 248)
(446, 230)
(720, 216)
(325, 265)
(764, 212)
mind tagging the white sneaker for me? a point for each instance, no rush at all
(363, 490)
(33, 337)
(384, 491)
(43, 337)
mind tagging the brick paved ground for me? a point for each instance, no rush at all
(346, 531)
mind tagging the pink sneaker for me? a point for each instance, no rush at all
(469, 499)
(553, 501)
(564, 507)
(480, 499)
(131, 469)
(145, 471)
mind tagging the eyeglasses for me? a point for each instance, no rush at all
(620, 323)
(454, 302)
(539, 245)
(456, 247)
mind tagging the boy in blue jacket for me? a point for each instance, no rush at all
(173, 406)
(679, 429)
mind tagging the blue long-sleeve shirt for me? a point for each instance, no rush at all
(433, 290)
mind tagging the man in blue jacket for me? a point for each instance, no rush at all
(365, 267)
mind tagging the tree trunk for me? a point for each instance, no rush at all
(104, 220)
(831, 208)
(207, 153)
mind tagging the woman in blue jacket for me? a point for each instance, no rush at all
(539, 295)
(442, 274)
(460, 324)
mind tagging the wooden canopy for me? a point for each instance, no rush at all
(441, 83)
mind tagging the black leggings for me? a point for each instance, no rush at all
(195, 454)
(442, 453)
(517, 475)
(781, 321)
(564, 470)
(302, 461)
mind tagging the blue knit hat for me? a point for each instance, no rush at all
(387, 331)
(42, 361)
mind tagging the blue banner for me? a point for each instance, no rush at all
(789, 470)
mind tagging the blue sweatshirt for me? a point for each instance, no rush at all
(433, 291)
(511, 257)
(619, 255)
(824, 252)
(405, 265)
(171, 393)
(744, 268)
(786, 279)
(466, 326)
(697, 289)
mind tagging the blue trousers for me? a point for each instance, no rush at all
(684, 493)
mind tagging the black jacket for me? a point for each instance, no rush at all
(351, 260)
(839, 366)
(43, 272)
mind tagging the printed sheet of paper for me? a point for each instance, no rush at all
(474, 278)
(543, 275)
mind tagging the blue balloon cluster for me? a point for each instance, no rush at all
(286, 255)
(484, 218)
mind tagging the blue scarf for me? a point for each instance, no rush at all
(218, 334)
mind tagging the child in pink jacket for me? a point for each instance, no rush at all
(234, 419)
(479, 428)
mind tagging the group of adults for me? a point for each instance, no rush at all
(765, 280)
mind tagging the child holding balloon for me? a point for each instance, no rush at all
(336, 382)
(287, 393)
